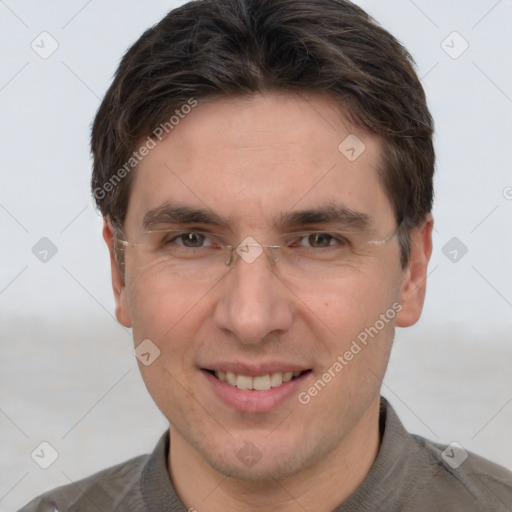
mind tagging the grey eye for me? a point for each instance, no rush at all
(192, 239)
(320, 240)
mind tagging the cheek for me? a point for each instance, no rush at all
(357, 302)
(160, 308)
(357, 316)
(170, 318)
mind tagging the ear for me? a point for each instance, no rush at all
(414, 277)
(122, 310)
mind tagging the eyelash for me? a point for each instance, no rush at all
(334, 237)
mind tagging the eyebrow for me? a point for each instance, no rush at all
(168, 213)
(337, 214)
(330, 214)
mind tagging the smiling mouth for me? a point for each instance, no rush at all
(259, 383)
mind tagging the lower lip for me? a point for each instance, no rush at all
(255, 401)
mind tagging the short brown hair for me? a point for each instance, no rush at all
(210, 48)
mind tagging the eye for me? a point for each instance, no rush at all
(191, 240)
(319, 240)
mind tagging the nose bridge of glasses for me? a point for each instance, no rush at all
(249, 250)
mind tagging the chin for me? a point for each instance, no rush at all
(268, 465)
(263, 472)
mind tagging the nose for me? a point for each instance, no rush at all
(254, 303)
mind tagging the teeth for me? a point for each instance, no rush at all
(243, 382)
(276, 379)
(259, 383)
(230, 378)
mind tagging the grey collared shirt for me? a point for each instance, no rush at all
(409, 475)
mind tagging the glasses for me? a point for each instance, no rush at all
(202, 255)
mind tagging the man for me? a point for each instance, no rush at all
(264, 169)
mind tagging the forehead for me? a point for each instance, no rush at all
(250, 159)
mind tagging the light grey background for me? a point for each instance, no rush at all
(68, 375)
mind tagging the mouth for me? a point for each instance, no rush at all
(254, 387)
(262, 382)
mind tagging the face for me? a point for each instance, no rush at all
(265, 167)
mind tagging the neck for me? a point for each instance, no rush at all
(321, 487)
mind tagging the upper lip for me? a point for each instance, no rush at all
(254, 370)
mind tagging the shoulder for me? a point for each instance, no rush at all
(414, 474)
(465, 476)
(106, 490)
